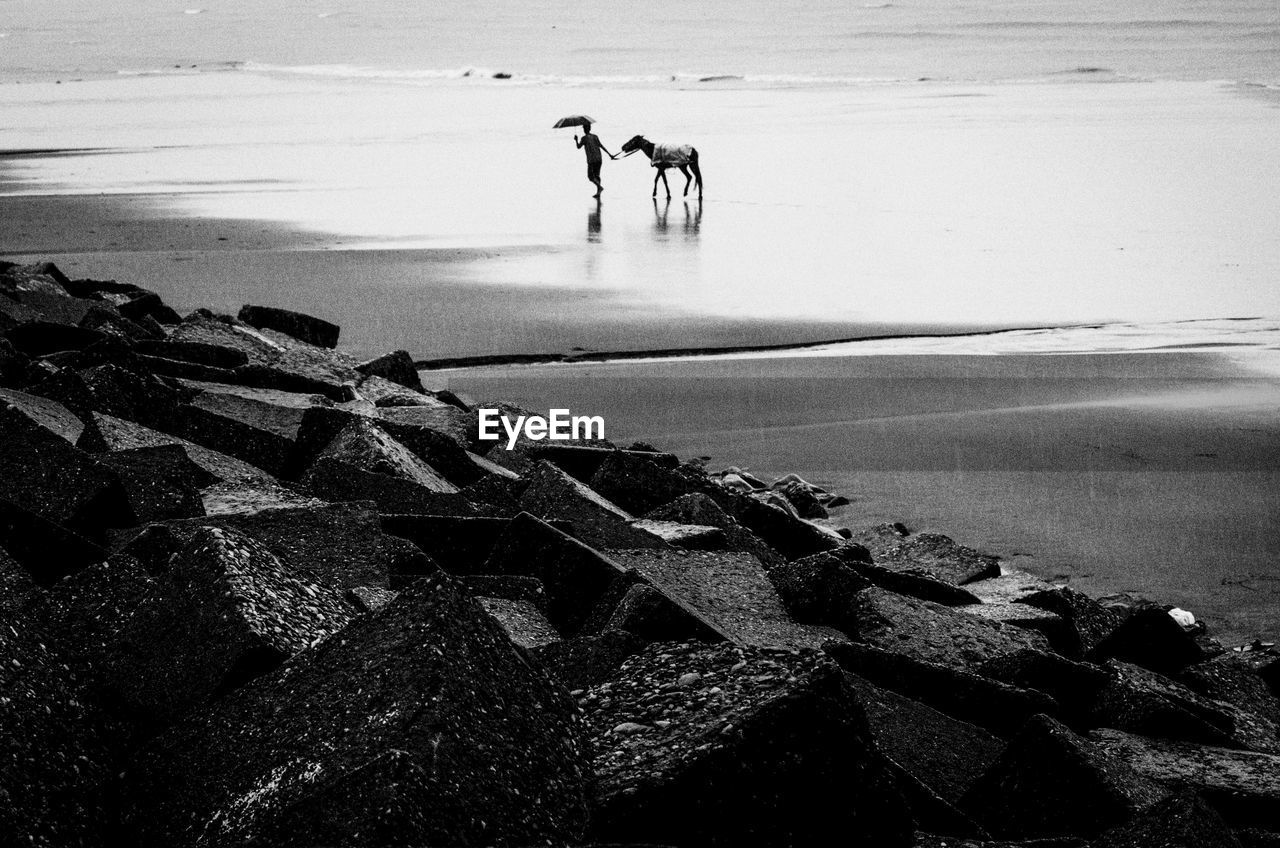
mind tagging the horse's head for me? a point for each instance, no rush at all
(633, 143)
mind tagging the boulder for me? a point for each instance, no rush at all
(258, 426)
(698, 508)
(245, 496)
(639, 482)
(934, 633)
(1141, 701)
(1048, 624)
(575, 575)
(304, 328)
(728, 592)
(583, 661)
(226, 611)
(438, 450)
(1183, 820)
(344, 544)
(335, 480)
(710, 746)
(1012, 585)
(41, 338)
(458, 424)
(15, 584)
(988, 703)
(106, 433)
(554, 494)
(362, 444)
(511, 587)
(160, 482)
(697, 537)
(820, 589)
(41, 469)
(1051, 782)
(1149, 637)
(1243, 786)
(117, 391)
(930, 554)
(461, 544)
(943, 753)
(198, 353)
(48, 551)
(370, 598)
(56, 763)
(387, 736)
(522, 621)
(791, 536)
(1088, 622)
(582, 461)
(651, 615)
(396, 366)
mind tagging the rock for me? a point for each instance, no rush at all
(247, 496)
(1074, 686)
(370, 598)
(364, 445)
(258, 426)
(161, 482)
(769, 749)
(512, 587)
(414, 684)
(15, 584)
(582, 462)
(41, 338)
(301, 327)
(226, 611)
(1141, 701)
(107, 433)
(698, 537)
(335, 480)
(651, 615)
(342, 543)
(1048, 624)
(46, 550)
(461, 544)
(109, 321)
(575, 576)
(459, 425)
(802, 498)
(116, 391)
(1180, 821)
(523, 622)
(930, 554)
(1089, 623)
(438, 450)
(820, 589)
(946, 756)
(1012, 585)
(1051, 782)
(396, 366)
(1232, 683)
(584, 661)
(148, 304)
(1243, 786)
(791, 536)
(911, 583)
(988, 703)
(639, 482)
(40, 468)
(198, 353)
(596, 521)
(934, 633)
(1151, 639)
(209, 330)
(56, 766)
(698, 508)
(728, 592)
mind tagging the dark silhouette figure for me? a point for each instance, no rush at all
(683, 157)
(590, 142)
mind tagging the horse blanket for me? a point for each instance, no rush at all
(671, 155)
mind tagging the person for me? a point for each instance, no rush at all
(591, 143)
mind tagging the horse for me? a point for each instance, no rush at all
(664, 156)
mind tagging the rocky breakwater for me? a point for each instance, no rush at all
(255, 592)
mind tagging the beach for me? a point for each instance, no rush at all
(1042, 170)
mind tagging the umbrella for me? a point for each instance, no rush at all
(573, 121)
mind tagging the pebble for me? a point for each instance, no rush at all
(690, 679)
(630, 727)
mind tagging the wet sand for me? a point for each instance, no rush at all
(1152, 473)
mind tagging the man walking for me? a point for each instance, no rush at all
(592, 144)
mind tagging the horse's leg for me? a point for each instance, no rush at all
(666, 184)
(688, 178)
(655, 181)
(697, 172)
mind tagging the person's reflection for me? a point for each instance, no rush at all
(692, 220)
(660, 208)
(593, 223)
